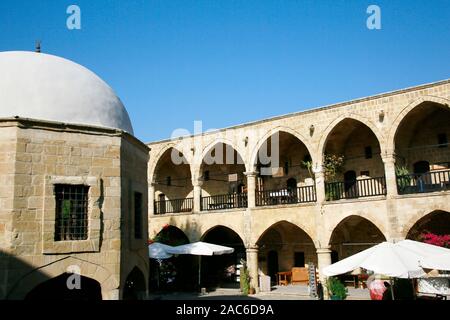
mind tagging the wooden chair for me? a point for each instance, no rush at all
(299, 275)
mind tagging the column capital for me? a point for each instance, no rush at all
(325, 250)
(197, 183)
(251, 173)
(388, 157)
(252, 248)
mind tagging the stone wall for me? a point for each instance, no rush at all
(42, 154)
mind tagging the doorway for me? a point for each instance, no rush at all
(272, 265)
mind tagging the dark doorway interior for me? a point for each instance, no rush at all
(57, 289)
(134, 286)
(351, 189)
(272, 265)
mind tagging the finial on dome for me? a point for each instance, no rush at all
(38, 46)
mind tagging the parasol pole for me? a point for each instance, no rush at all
(392, 288)
(199, 271)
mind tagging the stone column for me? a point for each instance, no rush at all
(197, 195)
(251, 188)
(391, 178)
(324, 259)
(151, 199)
(252, 264)
(320, 185)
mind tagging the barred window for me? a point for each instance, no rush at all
(137, 215)
(71, 212)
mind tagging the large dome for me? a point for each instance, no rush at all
(46, 87)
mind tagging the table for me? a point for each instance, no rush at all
(284, 278)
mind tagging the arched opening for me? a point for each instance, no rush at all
(285, 171)
(436, 223)
(176, 273)
(352, 235)
(79, 288)
(224, 182)
(422, 149)
(134, 288)
(285, 246)
(352, 162)
(222, 271)
(173, 184)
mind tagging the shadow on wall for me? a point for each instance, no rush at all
(20, 280)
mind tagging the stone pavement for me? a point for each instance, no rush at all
(290, 292)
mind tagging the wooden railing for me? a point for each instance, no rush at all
(286, 196)
(355, 189)
(174, 206)
(425, 182)
(224, 201)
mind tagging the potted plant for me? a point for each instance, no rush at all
(245, 279)
(403, 178)
(336, 289)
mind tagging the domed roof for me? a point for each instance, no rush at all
(46, 87)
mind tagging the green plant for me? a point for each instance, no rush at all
(403, 177)
(336, 289)
(332, 165)
(308, 164)
(331, 194)
(245, 278)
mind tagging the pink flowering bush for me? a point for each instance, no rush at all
(437, 240)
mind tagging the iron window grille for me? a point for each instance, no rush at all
(71, 212)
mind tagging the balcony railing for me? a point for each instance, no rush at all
(425, 182)
(355, 189)
(286, 196)
(224, 201)
(174, 206)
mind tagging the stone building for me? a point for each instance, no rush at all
(80, 194)
(310, 187)
(73, 186)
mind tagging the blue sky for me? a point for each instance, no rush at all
(227, 62)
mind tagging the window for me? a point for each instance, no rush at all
(206, 175)
(299, 259)
(138, 215)
(442, 140)
(368, 152)
(71, 212)
(169, 181)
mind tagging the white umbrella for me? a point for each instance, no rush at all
(159, 251)
(430, 256)
(384, 258)
(201, 249)
(437, 262)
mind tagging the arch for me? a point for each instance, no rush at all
(373, 220)
(135, 285)
(289, 223)
(405, 111)
(57, 289)
(222, 270)
(265, 137)
(353, 234)
(56, 268)
(225, 226)
(198, 163)
(171, 235)
(289, 244)
(154, 165)
(419, 218)
(335, 123)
